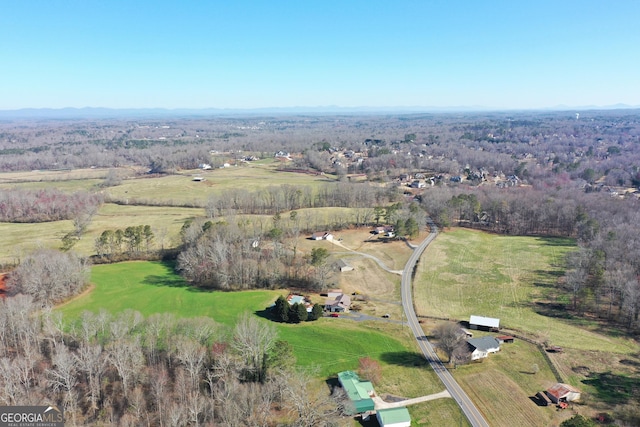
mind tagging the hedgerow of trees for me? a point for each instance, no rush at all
(128, 370)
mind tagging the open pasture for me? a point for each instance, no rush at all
(52, 176)
(152, 287)
(20, 239)
(328, 345)
(465, 272)
(182, 189)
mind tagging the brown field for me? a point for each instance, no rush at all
(504, 404)
(52, 175)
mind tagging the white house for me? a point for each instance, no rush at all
(322, 235)
(482, 347)
(343, 265)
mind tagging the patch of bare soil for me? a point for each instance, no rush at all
(3, 285)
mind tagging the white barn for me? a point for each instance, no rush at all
(477, 322)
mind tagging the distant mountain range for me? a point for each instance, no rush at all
(93, 112)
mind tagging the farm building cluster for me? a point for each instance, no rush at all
(336, 301)
(559, 394)
(361, 394)
(482, 347)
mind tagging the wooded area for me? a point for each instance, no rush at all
(539, 174)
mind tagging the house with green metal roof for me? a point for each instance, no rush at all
(394, 417)
(359, 391)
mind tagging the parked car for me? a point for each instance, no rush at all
(335, 315)
(386, 316)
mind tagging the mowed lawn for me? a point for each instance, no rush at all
(329, 344)
(465, 272)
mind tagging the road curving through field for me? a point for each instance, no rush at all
(472, 413)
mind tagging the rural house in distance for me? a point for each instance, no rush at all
(340, 303)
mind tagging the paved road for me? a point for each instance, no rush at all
(468, 408)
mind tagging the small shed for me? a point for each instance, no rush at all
(344, 265)
(562, 392)
(322, 235)
(466, 333)
(333, 293)
(543, 399)
(394, 417)
(481, 322)
(505, 339)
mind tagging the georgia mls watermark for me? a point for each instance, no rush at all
(31, 416)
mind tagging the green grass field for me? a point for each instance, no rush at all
(152, 287)
(328, 345)
(467, 272)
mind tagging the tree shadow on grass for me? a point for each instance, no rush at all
(555, 310)
(404, 358)
(557, 241)
(169, 281)
(614, 389)
(266, 313)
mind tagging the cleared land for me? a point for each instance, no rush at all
(152, 287)
(182, 189)
(466, 272)
(19, 240)
(329, 345)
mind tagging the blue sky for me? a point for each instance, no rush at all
(350, 53)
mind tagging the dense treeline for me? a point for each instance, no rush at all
(132, 240)
(603, 275)
(49, 276)
(126, 370)
(287, 197)
(519, 211)
(20, 205)
(224, 255)
(599, 148)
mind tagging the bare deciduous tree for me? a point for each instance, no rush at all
(449, 337)
(253, 339)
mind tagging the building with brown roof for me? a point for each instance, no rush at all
(561, 392)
